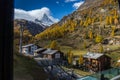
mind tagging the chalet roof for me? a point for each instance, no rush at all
(49, 51)
(93, 55)
(40, 49)
(28, 45)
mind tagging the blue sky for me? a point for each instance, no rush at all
(57, 8)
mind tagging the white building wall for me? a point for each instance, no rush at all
(26, 49)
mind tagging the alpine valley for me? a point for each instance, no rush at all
(93, 28)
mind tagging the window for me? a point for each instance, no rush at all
(57, 55)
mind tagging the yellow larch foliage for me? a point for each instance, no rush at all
(90, 34)
(54, 45)
(110, 20)
(101, 48)
(81, 23)
(115, 21)
(98, 38)
(81, 60)
(70, 57)
(113, 31)
(89, 21)
(107, 20)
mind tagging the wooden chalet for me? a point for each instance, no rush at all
(95, 62)
(52, 54)
(29, 49)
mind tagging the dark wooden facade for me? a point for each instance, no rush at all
(52, 56)
(56, 57)
(99, 64)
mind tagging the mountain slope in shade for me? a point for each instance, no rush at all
(32, 27)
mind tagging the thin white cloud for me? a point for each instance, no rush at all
(70, 0)
(33, 14)
(57, 2)
(22, 14)
(78, 4)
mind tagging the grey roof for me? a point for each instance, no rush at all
(40, 49)
(93, 55)
(49, 51)
(28, 45)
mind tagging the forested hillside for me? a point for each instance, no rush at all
(90, 24)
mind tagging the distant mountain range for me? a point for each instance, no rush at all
(33, 24)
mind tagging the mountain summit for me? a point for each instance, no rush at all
(45, 20)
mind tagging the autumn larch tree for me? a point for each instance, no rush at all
(80, 60)
(90, 34)
(54, 45)
(115, 21)
(113, 31)
(85, 44)
(70, 57)
(101, 48)
(98, 38)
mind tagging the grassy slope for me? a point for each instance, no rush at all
(26, 68)
(65, 49)
(78, 71)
